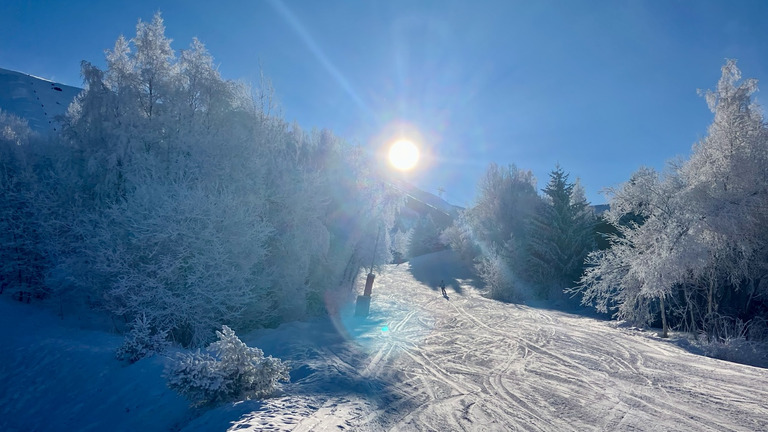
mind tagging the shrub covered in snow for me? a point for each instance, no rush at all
(734, 340)
(498, 277)
(142, 341)
(229, 371)
(460, 237)
(735, 349)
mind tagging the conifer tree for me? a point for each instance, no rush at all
(561, 233)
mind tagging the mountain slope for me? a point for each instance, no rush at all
(37, 100)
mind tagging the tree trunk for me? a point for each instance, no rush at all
(689, 305)
(751, 294)
(710, 294)
(664, 328)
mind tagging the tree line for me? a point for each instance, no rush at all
(690, 243)
(686, 248)
(177, 201)
(525, 245)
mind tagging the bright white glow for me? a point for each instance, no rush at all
(403, 155)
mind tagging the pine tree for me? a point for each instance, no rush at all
(561, 233)
(142, 341)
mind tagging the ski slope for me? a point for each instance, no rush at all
(39, 101)
(419, 362)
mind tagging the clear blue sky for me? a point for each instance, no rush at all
(601, 87)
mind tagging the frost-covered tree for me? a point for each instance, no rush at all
(174, 196)
(142, 341)
(727, 185)
(646, 260)
(506, 201)
(229, 370)
(356, 209)
(13, 131)
(500, 280)
(425, 237)
(21, 263)
(400, 242)
(561, 233)
(195, 208)
(693, 237)
(461, 238)
(154, 63)
(171, 224)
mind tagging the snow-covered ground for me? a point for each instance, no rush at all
(419, 362)
(35, 99)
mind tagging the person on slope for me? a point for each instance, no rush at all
(442, 288)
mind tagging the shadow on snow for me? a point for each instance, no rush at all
(445, 265)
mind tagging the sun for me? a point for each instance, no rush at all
(403, 155)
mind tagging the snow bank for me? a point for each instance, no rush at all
(57, 376)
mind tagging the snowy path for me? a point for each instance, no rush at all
(470, 363)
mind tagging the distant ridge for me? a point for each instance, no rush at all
(600, 208)
(41, 102)
(424, 203)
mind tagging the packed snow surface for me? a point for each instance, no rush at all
(418, 362)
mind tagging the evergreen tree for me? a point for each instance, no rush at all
(228, 371)
(561, 233)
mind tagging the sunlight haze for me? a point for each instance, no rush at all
(601, 88)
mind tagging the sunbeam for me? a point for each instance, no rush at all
(301, 30)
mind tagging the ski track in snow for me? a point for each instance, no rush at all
(419, 362)
(473, 364)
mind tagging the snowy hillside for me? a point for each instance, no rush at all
(419, 362)
(431, 200)
(37, 100)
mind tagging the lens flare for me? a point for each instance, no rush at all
(403, 155)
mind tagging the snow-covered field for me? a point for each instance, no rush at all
(419, 362)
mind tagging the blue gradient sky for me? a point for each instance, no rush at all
(601, 87)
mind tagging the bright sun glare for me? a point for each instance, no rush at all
(403, 155)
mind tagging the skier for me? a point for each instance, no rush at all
(442, 288)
